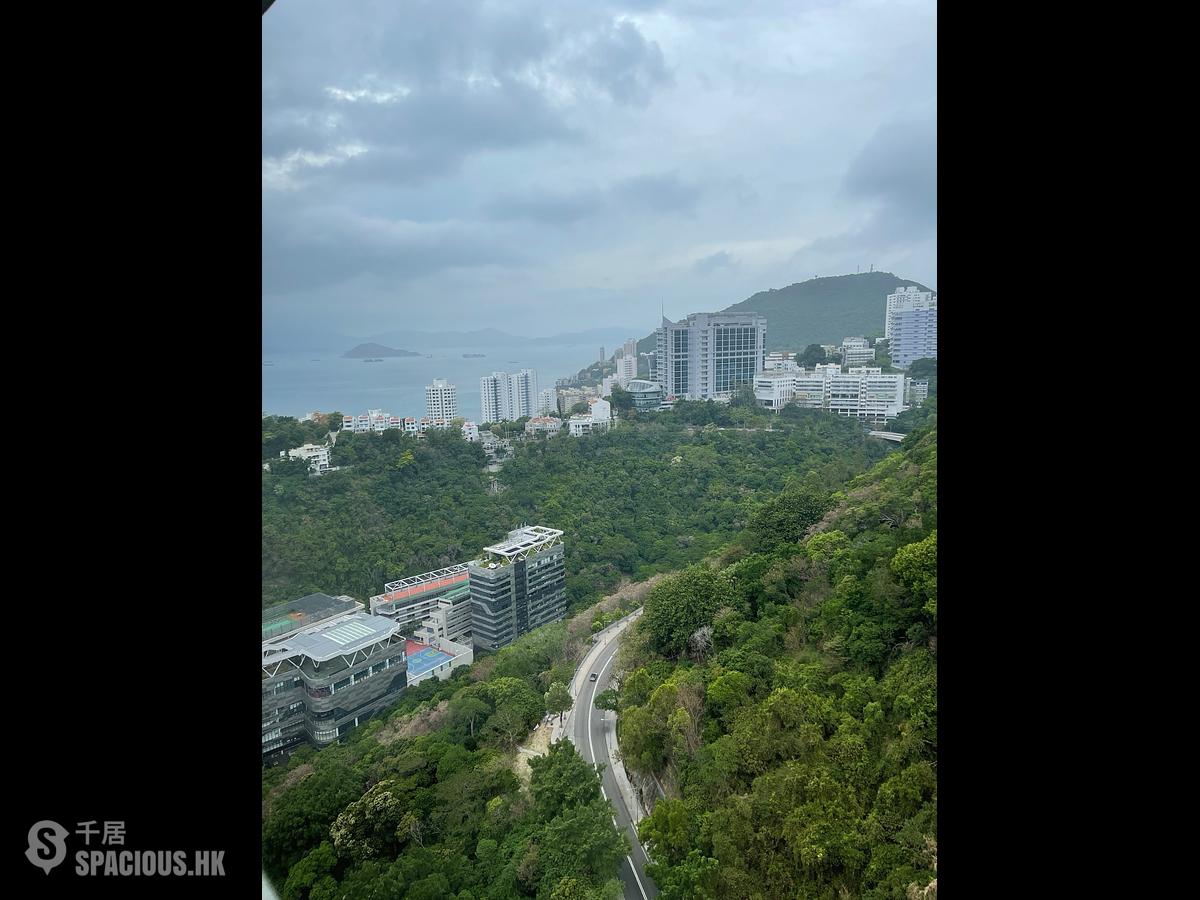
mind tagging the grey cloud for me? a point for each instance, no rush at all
(528, 154)
(895, 177)
(653, 193)
(623, 64)
(659, 193)
(898, 168)
(718, 260)
(552, 208)
(303, 249)
(466, 78)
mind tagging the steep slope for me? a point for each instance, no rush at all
(786, 697)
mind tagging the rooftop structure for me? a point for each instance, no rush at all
(521, 544)
(286, 618)
(405, 587)
(517, 585)
(326, 666)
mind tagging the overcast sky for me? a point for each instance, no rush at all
(556, 166)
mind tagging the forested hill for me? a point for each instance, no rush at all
(818, 311)
(784, 693)
(645, 498)
(786, 697)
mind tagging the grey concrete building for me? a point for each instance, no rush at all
(517, 585)
(326, 667)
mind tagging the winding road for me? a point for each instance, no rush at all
(587, 729)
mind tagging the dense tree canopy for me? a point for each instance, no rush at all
(644, 498)
(800, 755)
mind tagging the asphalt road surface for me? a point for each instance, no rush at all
(588, 735)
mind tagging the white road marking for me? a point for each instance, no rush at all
(635, 877)
(592, 750)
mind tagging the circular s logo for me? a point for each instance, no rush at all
(47, 845)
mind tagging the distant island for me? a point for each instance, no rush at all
(372, 351)
(474, 355)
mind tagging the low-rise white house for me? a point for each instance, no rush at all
(470, 432)
(316, 456)
(598, 419)
(547, 425)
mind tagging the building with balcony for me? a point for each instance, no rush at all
(517, 585)
(506, 398)
(708, 355)
(547, 425)
(326, 667)
(598, 418)
(316, 456)
(864, 393)
(857, 351)
(441, 400)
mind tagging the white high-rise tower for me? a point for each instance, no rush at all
(441, 400)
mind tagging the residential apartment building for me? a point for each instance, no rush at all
(627, 363)
(505, 397)
(864, 393)
(707, 355)
(598, 418)
(547, 402)
(376, 421)
(916, 391)
(316, 455)
(547, 425)
(441, 400)
(904, 298)
(568, 397)
(914, 334)
(857, 351)
(780, 362)
(517, 585)
(326, 667)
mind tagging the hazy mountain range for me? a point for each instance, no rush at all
(817, 311)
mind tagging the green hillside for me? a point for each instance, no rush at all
(818, 311)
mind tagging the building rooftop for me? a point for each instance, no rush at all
(437, 578)
(523, 541)
(286, 618)
(340, 637)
